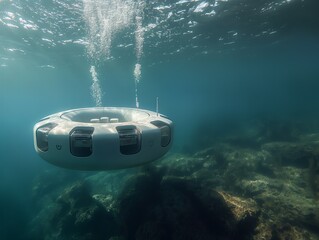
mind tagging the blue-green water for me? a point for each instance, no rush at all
(213, 64)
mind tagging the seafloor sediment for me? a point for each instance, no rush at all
(265, 189)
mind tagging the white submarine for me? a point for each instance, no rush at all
(103, 138)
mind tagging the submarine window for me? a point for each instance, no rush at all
(81, 141)
(42, 134)
(165, 132)
(130, 139)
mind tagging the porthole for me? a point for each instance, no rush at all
(165, 132)
(81, 141)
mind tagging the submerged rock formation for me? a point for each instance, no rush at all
(268, 190)
(79, 216)
(75, 214)
(178, 208)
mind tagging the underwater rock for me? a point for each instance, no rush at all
(284, 200)
(47, 182)
(110, 182)
(207, 177)
(280, 186)
(107, 201)
(244, 164)
(138, 195)
(271, 231)
(182, 165)
(291, 154)
(245, 212)
(255, 187)
(225, 191)
(180, 208)
(79, 216)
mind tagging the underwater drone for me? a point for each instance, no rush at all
(103, 138)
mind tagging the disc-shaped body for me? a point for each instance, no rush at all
(103, 138)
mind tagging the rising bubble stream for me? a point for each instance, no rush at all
(139, 42)
(96, 91)
(104, 19)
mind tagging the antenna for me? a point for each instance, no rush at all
(157, 106)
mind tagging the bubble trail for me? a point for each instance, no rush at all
(96, 91)
(104, 19)
(139, 42)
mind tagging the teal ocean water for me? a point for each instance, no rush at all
(222, 69)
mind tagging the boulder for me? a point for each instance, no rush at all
(180, 208)
(79, 216)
